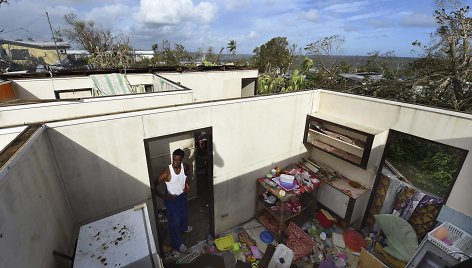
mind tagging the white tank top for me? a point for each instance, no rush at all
(176, 185)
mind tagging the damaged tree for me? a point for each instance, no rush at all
(327, 46)
(445, 70)
(106, 50)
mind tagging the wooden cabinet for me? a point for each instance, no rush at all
(342, 139)
(344, 200)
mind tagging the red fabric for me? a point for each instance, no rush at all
(354, 240)
(323, 220)
(298, 241)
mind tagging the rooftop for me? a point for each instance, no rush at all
(36, 44)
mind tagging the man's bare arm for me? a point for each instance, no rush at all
(162, 178)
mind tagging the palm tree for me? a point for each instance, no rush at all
(232, 47)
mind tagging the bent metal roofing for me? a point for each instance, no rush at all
(33, 44)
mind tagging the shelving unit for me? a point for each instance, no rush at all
(279, 216)
(346, 141)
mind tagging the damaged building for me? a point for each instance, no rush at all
(81, 152)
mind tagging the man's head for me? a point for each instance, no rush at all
(177, 157)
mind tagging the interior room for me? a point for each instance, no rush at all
(301, 183)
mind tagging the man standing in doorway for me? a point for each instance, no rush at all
(175, 199)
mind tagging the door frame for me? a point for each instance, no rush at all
(211, 204)
(390, 137)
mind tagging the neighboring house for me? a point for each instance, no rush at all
(20, 51)
(78, 54)
(360, 78)
(143, 54)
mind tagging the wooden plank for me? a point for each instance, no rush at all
(367, 260)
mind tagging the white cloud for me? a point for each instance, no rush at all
(253, 35)
(347, 7)
(205, 11)
(380, 23)
(366, 16)
(418, 20)
(168, 12)
(104, 14)
(233, 4)
(311, 15)
(350, 28)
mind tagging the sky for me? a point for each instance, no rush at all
(370, 25)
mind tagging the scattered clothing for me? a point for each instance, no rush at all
(418, 200)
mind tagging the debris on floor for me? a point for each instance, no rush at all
(305, 245)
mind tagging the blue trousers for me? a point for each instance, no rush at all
(177, 215)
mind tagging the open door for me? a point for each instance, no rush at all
(197, 145)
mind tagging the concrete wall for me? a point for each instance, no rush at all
(213, 85)
(102, 159)
(35, 217)
(446, 127)
(43, 88)
(208, 85)
(40, 112)
(7, 135)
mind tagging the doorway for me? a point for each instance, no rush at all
(197, 145)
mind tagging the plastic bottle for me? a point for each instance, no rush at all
(277, 171)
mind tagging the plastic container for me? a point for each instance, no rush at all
(282, 257)
(266, 237)
(236, 248)
(224, 243)
(458, 240)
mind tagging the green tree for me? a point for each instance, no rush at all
(165, 54)
(275, 55)
(307, 64)
(232, 47)
(381, 63)
(296, 82)
(210, 57)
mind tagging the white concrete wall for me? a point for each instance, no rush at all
(35, 217)
(7, 135)
(140, 79)
(42, 112)
(103, 163)
(442, 126)
(213, 85)
(209, 85)
(43, 88)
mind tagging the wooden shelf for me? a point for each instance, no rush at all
(275, 191)
(277, 213)
(349, 144)
(337, 152)
(278, 216)
(340, 144)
